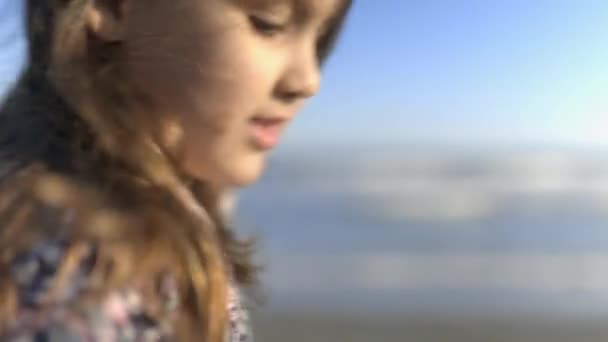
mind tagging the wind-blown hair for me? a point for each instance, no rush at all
(78, 161)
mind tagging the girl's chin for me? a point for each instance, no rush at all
(247, 174)
(241, 173)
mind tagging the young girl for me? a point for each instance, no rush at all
(129, 123)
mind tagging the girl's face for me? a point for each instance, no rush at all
(227, 76)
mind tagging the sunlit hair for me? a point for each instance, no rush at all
(97, 174)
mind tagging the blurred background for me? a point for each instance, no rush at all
(449, 183)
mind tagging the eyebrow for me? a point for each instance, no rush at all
(306, 10)
(302, 8)
(266, 3)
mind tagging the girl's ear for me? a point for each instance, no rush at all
(106, 19)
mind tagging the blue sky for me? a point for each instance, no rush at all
(467, 71)
(449, 71)
(11, 41)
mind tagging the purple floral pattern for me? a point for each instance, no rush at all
(121, 317)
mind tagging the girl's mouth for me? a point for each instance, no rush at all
(266, 131)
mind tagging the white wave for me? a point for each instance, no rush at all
(457, 186)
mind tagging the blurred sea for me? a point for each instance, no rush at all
(435, 243)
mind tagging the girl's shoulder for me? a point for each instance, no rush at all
(55, 300)
(50, 278)
(53, 273)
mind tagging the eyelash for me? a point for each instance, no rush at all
(266, 27)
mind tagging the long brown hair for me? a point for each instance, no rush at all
(66, 169)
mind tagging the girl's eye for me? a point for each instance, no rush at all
(265, 26)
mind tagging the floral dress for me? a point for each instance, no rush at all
(121, 317)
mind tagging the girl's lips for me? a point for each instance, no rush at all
(266, 132)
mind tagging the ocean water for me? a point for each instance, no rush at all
(424, 246)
